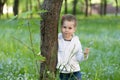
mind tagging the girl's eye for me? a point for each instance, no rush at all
(64, 26)
(70, 28)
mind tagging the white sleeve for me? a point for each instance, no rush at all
(80, 53)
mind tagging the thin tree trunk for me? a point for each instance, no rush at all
(105, 6)
(15, 7)
(38, 4)
(74, 7)
(26, 5)
(116, 1)
(101, 8)
(7, 10)
(90, 7)
(49, 38)
(66, 11)
(86, 7)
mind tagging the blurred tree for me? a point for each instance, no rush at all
(49, 37)
(103, 7)
(26, 5)
(116, 1)
(90, 7)
(66, 8)
(7, 15)
(86, 7)
(15, 7)
(38, 4)
(74, 6)
(2, 2)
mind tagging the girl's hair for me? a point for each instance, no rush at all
(69, 17)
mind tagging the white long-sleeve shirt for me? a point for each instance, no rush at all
(69, 54)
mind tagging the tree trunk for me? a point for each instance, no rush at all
(7, 10)
(90, 7)
(74, 6)
(101, 8)
(86, 7)
(38, 4)
(15, 7)
(66, 11)
(49, 38)
(105, 6)
(2, 2)
(27, 5)
(116, 1)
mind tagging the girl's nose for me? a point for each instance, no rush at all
(66, 29)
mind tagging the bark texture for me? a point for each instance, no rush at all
(15, 7)
(49, 37)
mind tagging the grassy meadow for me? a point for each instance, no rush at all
(20, 43)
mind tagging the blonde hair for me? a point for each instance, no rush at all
(69, 17)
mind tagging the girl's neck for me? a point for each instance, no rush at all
(67, 38)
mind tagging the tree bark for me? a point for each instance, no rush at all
(90, 7)
(74, 6)
(15, 7)
(49, 38)
(86, 7)
(116, 1)
(66, 8)
(7, 15)
(27, 5)
(105, 6)
(38, 4)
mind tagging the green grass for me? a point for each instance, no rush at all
(17, 62)
(103, 62)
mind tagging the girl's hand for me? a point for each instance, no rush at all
(86, 52)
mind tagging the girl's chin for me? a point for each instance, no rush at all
(66, 36)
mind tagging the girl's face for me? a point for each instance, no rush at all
(68, 29)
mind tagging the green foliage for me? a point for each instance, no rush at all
(17, 60)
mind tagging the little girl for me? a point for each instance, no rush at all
(69, 50)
